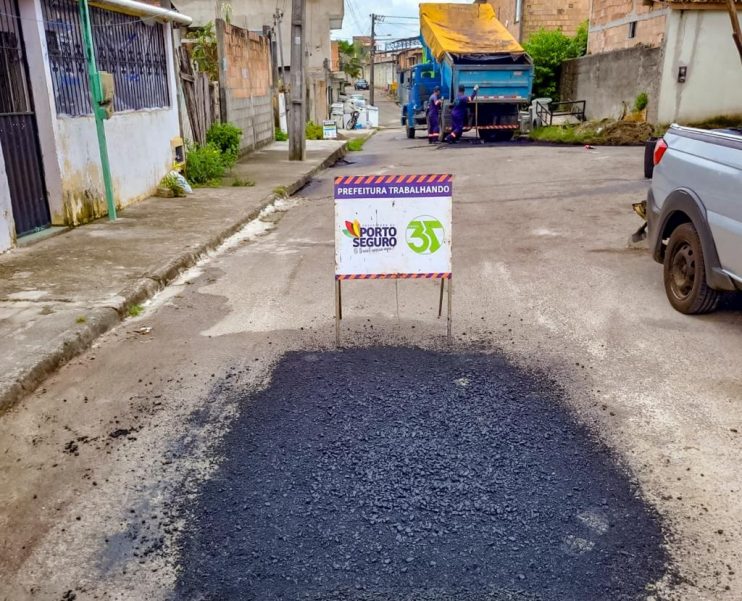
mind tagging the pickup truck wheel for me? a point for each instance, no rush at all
(685, 273)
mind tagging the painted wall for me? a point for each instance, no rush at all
(7, 228)
(140, 153)
(385, 74)
(246, 80)
(610, 22)
(612, 80)
(139, 142)
(701, 41)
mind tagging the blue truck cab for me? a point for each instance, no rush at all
(416, 85)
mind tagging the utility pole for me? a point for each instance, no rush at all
(372, 78)
(277, 19)
(297, 117)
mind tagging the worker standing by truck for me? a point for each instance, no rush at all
(459, 112)
(434, 111)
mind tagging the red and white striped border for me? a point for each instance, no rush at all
(395, 276)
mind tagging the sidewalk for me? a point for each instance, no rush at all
(58, 295)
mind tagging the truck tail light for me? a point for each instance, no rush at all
(659, 150)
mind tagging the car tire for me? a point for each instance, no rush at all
(685, 273)
(410, 132)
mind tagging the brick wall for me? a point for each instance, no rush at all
(612, 80)
(541, 14)
(555, 14)
(505, 13)
(610, 23)
(335, 59)
(245, 82)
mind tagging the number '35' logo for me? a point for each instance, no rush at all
(424, 235)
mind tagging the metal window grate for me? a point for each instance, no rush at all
(132, 50)
(13, 89)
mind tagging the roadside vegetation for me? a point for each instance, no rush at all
(549, 49)
(206, 163)
(598, 133)
(608, 132)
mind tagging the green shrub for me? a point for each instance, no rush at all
(204, 164)
(226, 137)
(281, 136)
(549, 49)
(641, 102)
(314, 131)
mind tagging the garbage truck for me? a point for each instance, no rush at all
(465, 45)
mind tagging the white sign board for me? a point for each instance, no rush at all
(393, 226)
(329, 130)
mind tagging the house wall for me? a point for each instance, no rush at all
(610, 22)
(700, 40)
(139, 142)
(385, 74)
(611, 81)
(7, 228)
(246, 82)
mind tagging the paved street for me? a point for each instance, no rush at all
(580, 440)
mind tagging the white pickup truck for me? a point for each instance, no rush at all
(694, 212)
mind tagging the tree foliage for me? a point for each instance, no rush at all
(549, 49)
(203, 50)
(352, 57)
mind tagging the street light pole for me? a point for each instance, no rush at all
(297, 118)
(372, 78)
(277, 20)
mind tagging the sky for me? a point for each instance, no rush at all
(357, 19)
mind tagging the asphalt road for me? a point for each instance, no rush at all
(123, 471)
(397, 473)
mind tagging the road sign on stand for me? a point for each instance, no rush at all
(392, 227)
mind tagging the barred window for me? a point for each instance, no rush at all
(131, 49)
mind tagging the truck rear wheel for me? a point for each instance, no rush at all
(685, 273)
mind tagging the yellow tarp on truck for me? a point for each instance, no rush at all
(464, 29)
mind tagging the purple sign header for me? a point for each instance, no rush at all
(393, 186)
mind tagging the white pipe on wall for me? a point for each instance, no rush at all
(139, 9)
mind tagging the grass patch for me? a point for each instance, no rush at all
(212, 183)
(281, 136)
(239, 182)
(356, 144)
(81, 319)
(281, 191)
(135, 310)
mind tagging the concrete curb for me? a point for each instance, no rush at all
(102, 319)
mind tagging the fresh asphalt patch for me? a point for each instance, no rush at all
(398, 474)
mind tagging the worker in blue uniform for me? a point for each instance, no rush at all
(459, 112)
(434, 110)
